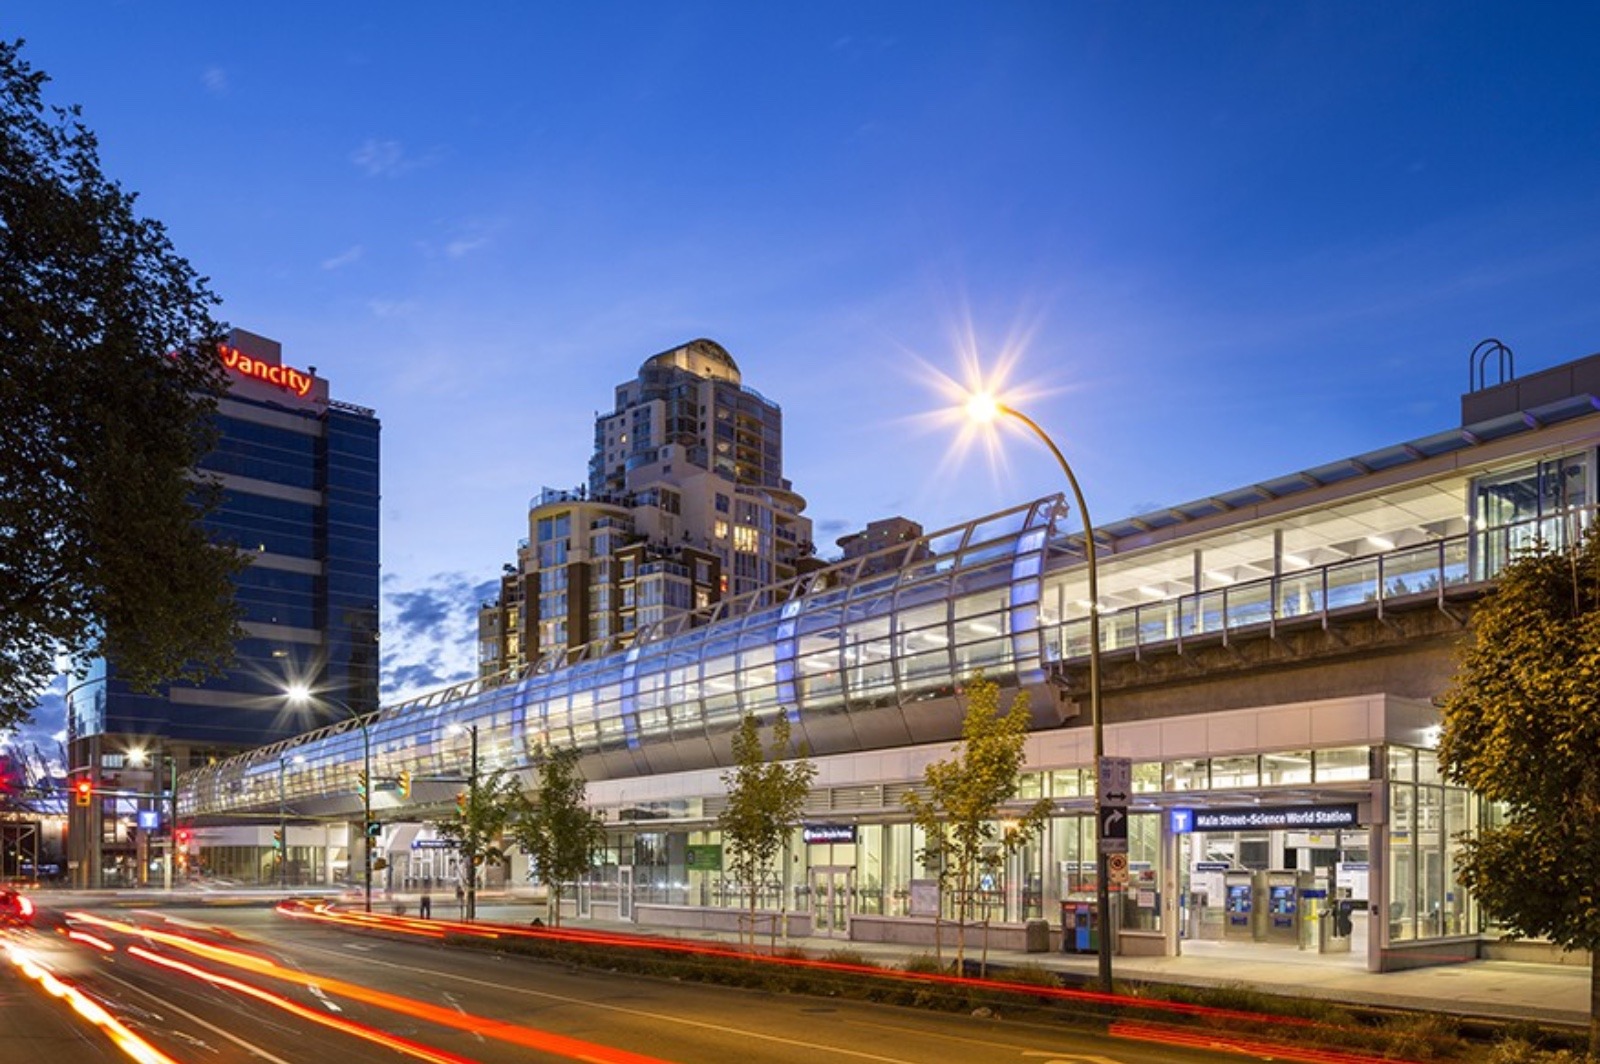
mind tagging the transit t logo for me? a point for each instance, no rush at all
(285, 377)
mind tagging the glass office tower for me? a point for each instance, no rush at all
(299, 473)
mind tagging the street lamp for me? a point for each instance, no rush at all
(983, 407)
(469, 832)
(300, 695)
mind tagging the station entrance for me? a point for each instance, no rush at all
(1304, 886)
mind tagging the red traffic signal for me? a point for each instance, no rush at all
(82, 791)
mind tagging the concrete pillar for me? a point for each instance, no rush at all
(1170, 878)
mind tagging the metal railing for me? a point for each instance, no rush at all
(1370, 583)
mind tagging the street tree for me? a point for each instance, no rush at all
(109, 378)
(767, 790)
(484, 808)
(1521, 727)
(556, 829)
(969, 819)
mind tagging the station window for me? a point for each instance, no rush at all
(1343, 763)
(1191, 775)
(1066, 783)
(1289, 767)
(1235, 772)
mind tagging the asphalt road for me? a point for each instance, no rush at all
(253, 985)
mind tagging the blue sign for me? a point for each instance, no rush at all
(1181, 821)
(1277, 817)
(149, 820)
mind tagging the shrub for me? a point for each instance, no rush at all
(1423, 1036)
(926, 964)
(848, 956)
(1523, 1051)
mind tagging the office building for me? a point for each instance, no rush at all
(299, 473)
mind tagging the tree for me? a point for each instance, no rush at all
(964, 835)
(108, 382)
(479, 824)
(765, 796)
(553, 826)
(1522, 729)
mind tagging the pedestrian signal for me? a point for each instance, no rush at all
(82, 791)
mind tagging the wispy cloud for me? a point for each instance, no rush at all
(215, 79)
(386, 158)
(344, 258)
(464, 246)
(390, 308)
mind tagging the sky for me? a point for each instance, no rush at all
(1211, 243)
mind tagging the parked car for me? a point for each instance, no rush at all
(16, 908)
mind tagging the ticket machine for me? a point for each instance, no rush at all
(1283, 906)
(1239, 897)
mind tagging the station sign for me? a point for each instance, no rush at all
(828, 833)
(149, 820)
(1265, 818)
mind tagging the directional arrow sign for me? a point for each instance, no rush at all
(1113, 830)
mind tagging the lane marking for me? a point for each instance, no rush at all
(663, 1017)
(248, 1046)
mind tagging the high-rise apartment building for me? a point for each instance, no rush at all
(686, 504)
(299, 473)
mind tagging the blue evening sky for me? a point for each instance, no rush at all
(1226, 241)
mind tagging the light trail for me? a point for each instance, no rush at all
(277, 1001)
(500, 1030)
(135, 1047)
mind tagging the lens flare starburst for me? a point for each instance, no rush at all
(974, 400)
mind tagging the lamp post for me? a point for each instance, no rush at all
(983, 407)
(300, 695)
(469, 828)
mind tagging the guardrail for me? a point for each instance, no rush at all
(1368, 583)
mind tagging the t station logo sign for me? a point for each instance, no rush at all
(294, 381)
(1265, 818)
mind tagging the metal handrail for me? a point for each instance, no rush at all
(1365, 582)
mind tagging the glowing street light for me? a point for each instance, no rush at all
(983, 408)
(300, 695)
(468, 810)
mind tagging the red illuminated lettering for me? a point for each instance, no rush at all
(285, 377)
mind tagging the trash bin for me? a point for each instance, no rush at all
(1036, 936)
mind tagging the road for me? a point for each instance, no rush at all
(253, 985)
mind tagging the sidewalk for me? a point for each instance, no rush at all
(1544, 993)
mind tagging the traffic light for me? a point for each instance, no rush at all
(82, 791)
(183, 838)
(374, 829)
(361, 783)
(461, 802)
(277, 841)
(405, 783)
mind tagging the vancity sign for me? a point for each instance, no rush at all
(285, 377)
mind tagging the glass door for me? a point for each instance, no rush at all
(625, 893)
(831, 891)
